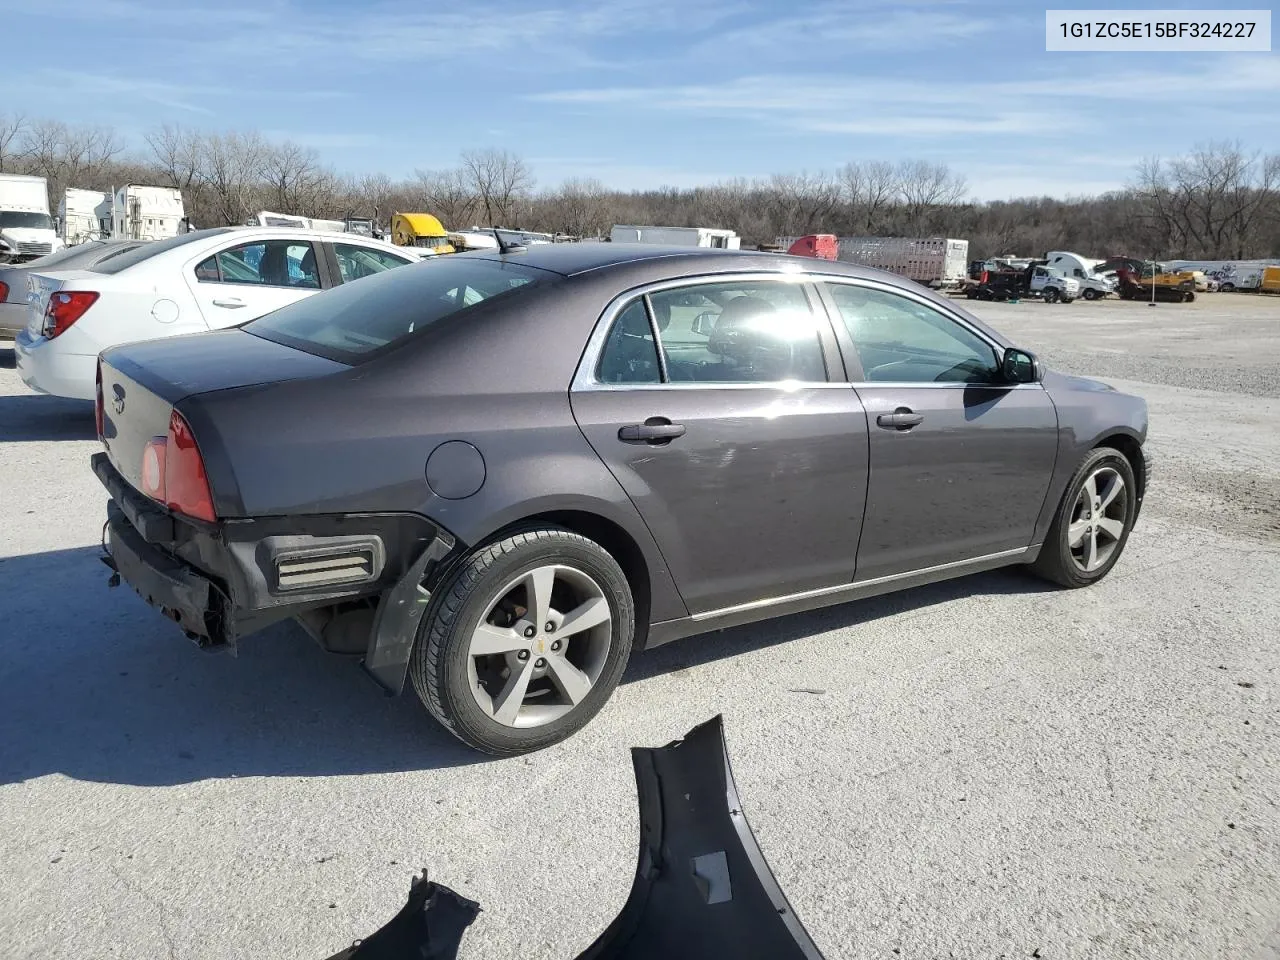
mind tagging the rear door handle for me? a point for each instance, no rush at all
(232, 304)
(901, 419)
(655, 430)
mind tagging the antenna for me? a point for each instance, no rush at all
(503, 246)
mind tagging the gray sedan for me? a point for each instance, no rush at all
(496, 475)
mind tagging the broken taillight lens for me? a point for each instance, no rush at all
(64, 309)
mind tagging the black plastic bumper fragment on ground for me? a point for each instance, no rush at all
(702, 887)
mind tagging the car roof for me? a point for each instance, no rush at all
(573, 259)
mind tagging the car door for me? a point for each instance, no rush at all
(709, 401)
(960, 459)
(351, 261)
(243, 281)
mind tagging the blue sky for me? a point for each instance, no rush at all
(641, 94)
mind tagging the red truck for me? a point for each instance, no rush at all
(821, 245)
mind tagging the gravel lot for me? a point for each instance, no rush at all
(993, 768)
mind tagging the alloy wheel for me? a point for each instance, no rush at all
(540, 647)
(1098, 519)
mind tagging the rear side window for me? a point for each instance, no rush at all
(269, 263)
(356, 261)
(147, 250)
(352, 321)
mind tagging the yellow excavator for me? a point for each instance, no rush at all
(420, 230)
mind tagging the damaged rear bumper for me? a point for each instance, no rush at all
(225, 580)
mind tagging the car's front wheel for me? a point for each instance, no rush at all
(525, 642)
(1091, 294)
(1093, 521)
(1051, 295)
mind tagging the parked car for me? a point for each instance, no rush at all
(194, 282)
(499, 474)
(13, 277)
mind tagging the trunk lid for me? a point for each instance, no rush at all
(142, 382)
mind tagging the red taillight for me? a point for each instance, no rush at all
(173, 471)
(4, 292)
(98, 413)
(64, 309)
(186, 486)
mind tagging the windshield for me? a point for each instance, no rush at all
(352, 321)
(23, 220)
(150, 248)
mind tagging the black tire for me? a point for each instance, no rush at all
(1227, 287)
(1190, 297)
(1056, 562)
(1091, 294)
(1051, 295)
(438, 663)
(1068, 299)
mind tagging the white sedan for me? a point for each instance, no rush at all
(191, 283)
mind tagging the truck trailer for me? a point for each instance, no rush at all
(84, 215)
(677, 236)
(933, 261)
(141, 212)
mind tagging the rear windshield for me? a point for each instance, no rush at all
(149, 249)
(352, 321)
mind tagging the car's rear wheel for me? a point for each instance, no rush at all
(525, 641)
(1093, 521)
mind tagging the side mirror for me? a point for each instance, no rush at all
(1021, 366)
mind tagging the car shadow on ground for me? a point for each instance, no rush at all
(8, 359)
(96, 686)
(709, 647)
(26, 417)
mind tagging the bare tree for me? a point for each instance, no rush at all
(579, 208)
(293, 177)
(230, 174)
(802, 203)
(11, 130)
(499, 179)
(926, 186)
(871, 190)
(447, 194)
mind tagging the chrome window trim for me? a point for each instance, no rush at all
(880, 286)
(584, 378)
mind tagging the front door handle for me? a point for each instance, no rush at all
(232, 304)
(901, 419)
(655, 430)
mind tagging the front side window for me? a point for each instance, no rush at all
(739, 331)
(356, 261)
(901, 340)
(270, 263)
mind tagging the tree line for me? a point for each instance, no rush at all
(1219, 201)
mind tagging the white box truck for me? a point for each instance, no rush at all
(678, 236)
(932, 261)
(141, 212)
(26, 229)
(1230, 274)
(84, 215)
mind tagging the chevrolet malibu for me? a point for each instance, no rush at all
(496, 475)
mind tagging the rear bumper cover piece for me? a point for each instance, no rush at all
(702, 889)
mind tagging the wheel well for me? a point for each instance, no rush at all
(620, 546)
(1132, 451)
